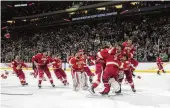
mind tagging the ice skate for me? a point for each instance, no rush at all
(133, 90)
(91, 90)
(23, 84)
(26, 84)
(75, 88)
(103, 93)
(158, 73)
(91, 79)
(85, 87)
(35, 76)
(53, 85)
(6, 72)
(39, 86)
(66, 84)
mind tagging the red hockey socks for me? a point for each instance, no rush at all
(163, 71)
(95, 84)
(132, 85)
(107, 87)
(51, 81)
(22, 82)
(39, 82)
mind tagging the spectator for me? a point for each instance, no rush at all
(151, 36)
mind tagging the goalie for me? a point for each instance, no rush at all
(78, 75)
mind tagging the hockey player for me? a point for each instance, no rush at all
(68, 60)
(86, 68)
(125, 70)
(129, 49)
(35, 73)
(78, 74)
(69, 57)
(41, 61)
(17, 65)
(91, 59)
(160, 65)
(59, 72)
(100, 65)
(112, 66)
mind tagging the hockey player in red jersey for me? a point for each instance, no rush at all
(160, 65)
(69, 57)
(78, 74)
(86, 68)
(17, 65)
(125, 70)
(35, 73)
(91, 59)
(111, 69)
(129, 49)
(68, 60)
(99, 67)
(41, 61)
(59, 72)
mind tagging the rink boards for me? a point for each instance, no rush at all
(142, 67)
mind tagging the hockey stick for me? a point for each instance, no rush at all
(16, 94)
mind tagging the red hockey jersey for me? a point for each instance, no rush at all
(57, 63)
(77, 64)
(18, 65)
(42, 60)
(159, 60)
(110, 56)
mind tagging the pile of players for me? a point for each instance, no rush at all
(111, 63)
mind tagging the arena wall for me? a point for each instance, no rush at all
(142, 67)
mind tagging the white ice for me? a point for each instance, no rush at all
(153, 91)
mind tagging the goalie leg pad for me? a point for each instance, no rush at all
(76, 80)
(114, 84)
(84, 81)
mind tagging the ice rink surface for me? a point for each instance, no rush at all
(153, 91)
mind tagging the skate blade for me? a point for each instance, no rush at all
(91, 92)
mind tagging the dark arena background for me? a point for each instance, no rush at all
(83, 54)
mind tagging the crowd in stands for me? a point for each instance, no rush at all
(151, 36)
